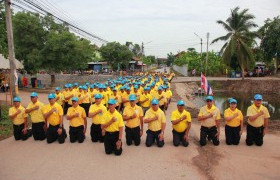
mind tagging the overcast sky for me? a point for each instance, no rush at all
(169, 24)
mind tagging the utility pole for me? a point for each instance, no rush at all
(207, 53)
(200, 49)
(13, 71)
(142, 49)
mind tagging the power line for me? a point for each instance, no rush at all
(73, 27)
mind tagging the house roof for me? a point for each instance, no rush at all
(5, 63)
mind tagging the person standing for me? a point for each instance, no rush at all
(258, 117)
(156, 120)
(19, 118)
(97, 112)
(112, 124)
(78, 121)
(59, 96)
(234, 123)
(35, 109)
(181, 121)
(133, 115)
(145, 99)
(53, 114)
(209, 116)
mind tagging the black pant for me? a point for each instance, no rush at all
(254, 135)
(77, 134)
(110, 141)
(52, 134)
(96, 133)
(18, 134)
(66, 106)
(132, 134)
(179, 137)
(145, 109)
(232, 135)
(38, 131)
(152, 136)
(211, 133)
(86, 107)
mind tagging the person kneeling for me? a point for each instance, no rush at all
(112, 126)
(78, 122)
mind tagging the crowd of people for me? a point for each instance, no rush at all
(126, 104)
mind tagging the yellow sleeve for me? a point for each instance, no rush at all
(105, 119)
(141, 112)
(29, 106)
(163, 120)
(249, 111)
(173, 116)
(218, 116)
(83, 113)
(121, 123)
(241, 116)
(91, 109)
(266, 114)
(125, 111)
(200, 112)
(148, 115)
(60, 110)
(69, 112)
(226, 114)
(11, 111)
(189, 118)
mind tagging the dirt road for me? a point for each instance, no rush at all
(39, 160)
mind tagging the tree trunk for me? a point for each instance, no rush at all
(276, 64)
(52, 80)
(243, 72)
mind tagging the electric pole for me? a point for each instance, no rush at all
(207, 53)
(200, 50)
(13, 71)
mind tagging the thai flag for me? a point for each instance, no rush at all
(205, 85)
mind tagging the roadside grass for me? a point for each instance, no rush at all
(6, 126)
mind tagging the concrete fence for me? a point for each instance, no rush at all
(181, 69)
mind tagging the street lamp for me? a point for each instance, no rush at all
(200, 50)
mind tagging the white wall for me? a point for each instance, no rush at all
(181, 69)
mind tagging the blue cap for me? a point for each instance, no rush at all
(135, 86)
(112, 101)
(75, 99)
(76, 84)
(114, 89)
(51, 96)
(159, 88)
(16, 99)
(128, 88)
(209, 98)
(85, 87)
(70, 85)
(132, 97)
(146, 89)
(258, 97)
(121, 88)
(98, 96)
(231, 100)
(180, 103)
(57, 89)
(66, 86)
(91, 86)
(80, 87)
(33, 94)
(164, 87)
(154, 102)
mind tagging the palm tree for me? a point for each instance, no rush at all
(238, 38)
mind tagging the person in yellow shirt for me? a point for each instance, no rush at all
(258, 117)
(19, 118)
(145, 99)
(133, 115)
(112, 124)
(65, 94)
(78, 122)
(137, 93)
(125, 97)
(117, 97)
(234, 123)
(71, 93)
(181, 121)
(59, 97)
(97, 112)
(156, 120)
(168, 94)
(160, 96)
(85, 100)
(122, 94)
(35, 109)
(209, 116)
(53, 114)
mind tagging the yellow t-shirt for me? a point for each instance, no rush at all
(155, 125)
(126, 96)
(236, 121)
(60, 98)
(54, 118)
(73, 92)
(163, 99)
(104, 97)
(181, 126)
(79, 93)
(99, 117)
(147, 103)
(210, 122)
(19, 119)
(77, 121)
(36, 115)
(86, 97)
(115, 126)
(253, 110)
(168, 94)
(129, 111)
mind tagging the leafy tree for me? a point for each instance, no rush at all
(170, 59)
(115, 53)
(134, 48)
(149, 60)
(270, 41)
(238, 38)
(3, 32)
